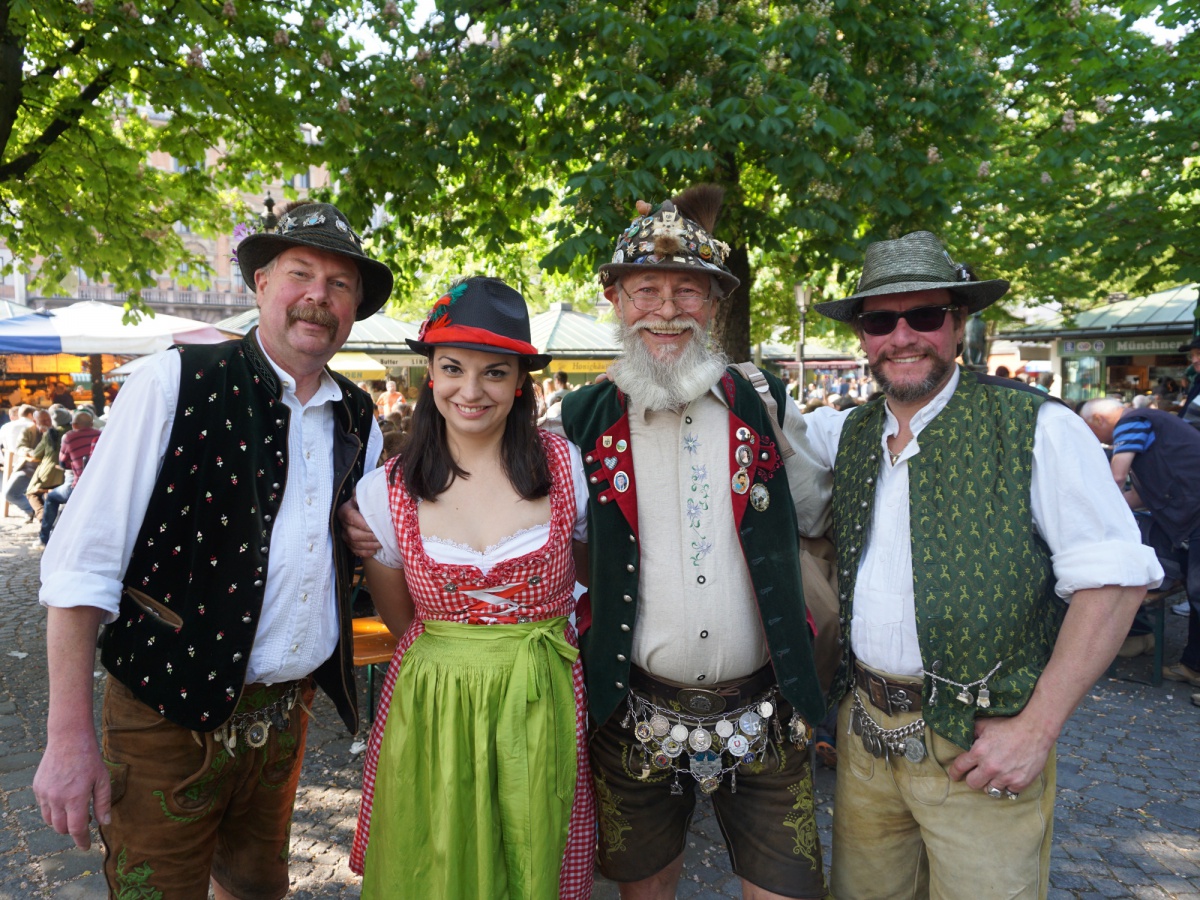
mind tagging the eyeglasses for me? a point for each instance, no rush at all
(648, 299)
(884, 321)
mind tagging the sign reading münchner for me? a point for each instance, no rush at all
(1120, 346)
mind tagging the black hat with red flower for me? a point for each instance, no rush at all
(480, 313)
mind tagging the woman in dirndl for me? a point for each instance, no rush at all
(476, 781)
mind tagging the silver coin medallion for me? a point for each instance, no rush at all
(914, 749)
(672, 747)
(724, 729)
(679, 732)
(699, 740)
(766, 708)
(737, 745)
(750, 723)
(660, 725)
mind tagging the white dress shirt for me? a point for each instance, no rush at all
(698, 620)
(1076, 508)
(92, 542)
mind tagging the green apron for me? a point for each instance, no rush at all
(477, 768)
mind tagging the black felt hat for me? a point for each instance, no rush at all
(915, 262)
(480, 313)
(1193, 344)
(321, 226)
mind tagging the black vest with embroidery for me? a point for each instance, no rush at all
(595, 418)
(195, 581)
(982, 578)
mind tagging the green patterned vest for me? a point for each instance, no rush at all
(982, 579)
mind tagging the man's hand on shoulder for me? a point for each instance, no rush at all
(71, 781)
(355, 531)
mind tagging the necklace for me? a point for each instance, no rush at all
(895, 457)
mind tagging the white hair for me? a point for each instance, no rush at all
(1101, 406)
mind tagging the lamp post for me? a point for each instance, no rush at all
(268, 218)
(803, 298)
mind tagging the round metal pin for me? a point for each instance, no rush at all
(660, 725)
(766, 708)
(256, 734)
(661, 760)
(724, 728)
(643, 732)
(750, 723)
(679, 732)
(737, 744)
(709, 785)
(700, 740)
(672, 747)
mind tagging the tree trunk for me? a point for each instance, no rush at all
(96, 368)
(731, 316)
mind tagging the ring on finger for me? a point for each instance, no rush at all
(993, 791)
(1009, 795)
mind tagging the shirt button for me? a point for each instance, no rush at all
(620, 686)
(264, 549)
(304, 598)
(267, 517)
(258, 583)
(279, 421)
(307, 455)
(275, 486)
(700, 579)
(627, 599)
(310, 548)
(624, 627)
(629, 567)
(699, 677)
(704, 634)
(620, 657)
(308, 501)
(688, 419)
(632, 539)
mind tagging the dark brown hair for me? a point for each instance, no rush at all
(429, 468)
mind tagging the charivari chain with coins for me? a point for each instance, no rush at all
(256, 725)
(715, 746)
(880, 742)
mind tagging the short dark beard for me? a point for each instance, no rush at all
(921, 390)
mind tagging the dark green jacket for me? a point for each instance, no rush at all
(769, 542)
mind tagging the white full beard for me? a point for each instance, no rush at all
(670, 382)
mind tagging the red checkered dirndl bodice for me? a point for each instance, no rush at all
(538, 585)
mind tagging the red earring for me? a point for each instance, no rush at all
(518, 392)
(431, 382)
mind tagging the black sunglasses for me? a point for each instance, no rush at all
(922, 318)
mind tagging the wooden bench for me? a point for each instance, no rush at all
(374, 646)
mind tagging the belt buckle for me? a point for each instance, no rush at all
(877, 689)
(700, 702)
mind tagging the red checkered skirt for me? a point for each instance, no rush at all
(539, 585)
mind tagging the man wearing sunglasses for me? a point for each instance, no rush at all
(989, 572)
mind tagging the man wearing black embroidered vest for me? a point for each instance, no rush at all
(989, 570)
(696, 647)
(220, 580)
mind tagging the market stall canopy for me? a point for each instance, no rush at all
(1169, 311)
(357, 366)
(578, 342)
(91, 327)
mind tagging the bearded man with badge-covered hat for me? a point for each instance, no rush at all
(989, 570)
(697, 649)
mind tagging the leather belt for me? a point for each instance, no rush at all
(708, 701)
(891, 697)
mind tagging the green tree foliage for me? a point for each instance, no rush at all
(90, 89)
(1095, 179)
(830, 123)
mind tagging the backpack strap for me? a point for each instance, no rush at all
(758, 381)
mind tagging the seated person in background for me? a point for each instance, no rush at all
(1160, 455)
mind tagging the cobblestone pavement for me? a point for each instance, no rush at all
(1127, 822)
